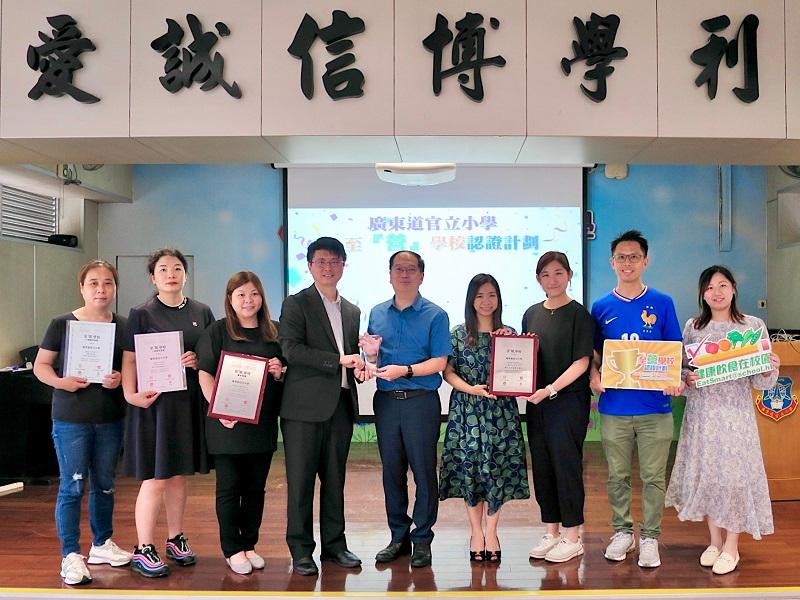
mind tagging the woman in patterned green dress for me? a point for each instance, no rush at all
(484, 454)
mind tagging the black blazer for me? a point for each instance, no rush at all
(313, 377)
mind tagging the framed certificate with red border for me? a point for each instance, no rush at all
(239, 387)
(513, 365)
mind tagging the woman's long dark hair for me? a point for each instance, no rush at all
(704, 317)
(471, 315)
(269, 332)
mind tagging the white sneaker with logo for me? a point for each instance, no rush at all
(621, 543)
(648, 553)
(563, 551)
(74, 570)
(544, 546)
(109, 554)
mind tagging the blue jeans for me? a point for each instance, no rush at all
(85, 451)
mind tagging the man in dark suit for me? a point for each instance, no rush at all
(319, 338)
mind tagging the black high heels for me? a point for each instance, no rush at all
(476, 555)
(492, 556)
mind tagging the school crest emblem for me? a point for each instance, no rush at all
(779, 402)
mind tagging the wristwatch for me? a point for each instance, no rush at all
(409, 372)
(552, 390)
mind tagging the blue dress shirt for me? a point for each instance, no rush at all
(413, 335)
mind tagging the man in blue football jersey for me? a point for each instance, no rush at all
(634, 311)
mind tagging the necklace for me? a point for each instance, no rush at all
(178, 307)
(554, 309)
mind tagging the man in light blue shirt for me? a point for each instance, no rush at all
(413, 352)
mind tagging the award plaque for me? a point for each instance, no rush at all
(370, 346)
(89, 350)
(239, 387)
(641, 364)
(158, 361)
(513, 366)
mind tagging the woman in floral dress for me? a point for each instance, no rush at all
(719, 473)
(484, 454)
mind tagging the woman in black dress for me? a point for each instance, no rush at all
(242, 451)
(165, 433)
(558, 412)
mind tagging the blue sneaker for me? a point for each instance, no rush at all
(178, 550)
(147, 562)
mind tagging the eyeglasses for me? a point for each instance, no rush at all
(405, 270)
(629, 258)
(322, 263)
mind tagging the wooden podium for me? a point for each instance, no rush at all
(780, 440)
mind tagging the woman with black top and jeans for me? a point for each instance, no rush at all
(558, 412)
(242, 451)
(88, 421)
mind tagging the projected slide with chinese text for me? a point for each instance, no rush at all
(456, 243)
(496, 220)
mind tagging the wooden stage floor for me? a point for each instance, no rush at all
(29, 553)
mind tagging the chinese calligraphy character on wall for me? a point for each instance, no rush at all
(595, 45)
(710, 56)
(339, 81)
(467, 53)
(193, 63)
(57, 59)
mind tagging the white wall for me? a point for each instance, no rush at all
(783, 283)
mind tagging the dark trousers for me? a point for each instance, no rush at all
(241, 479)
(317, 449)
(556, 431)
(408, 431)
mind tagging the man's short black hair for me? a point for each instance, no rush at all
(330, 244)
(420, 262)
(632, 235)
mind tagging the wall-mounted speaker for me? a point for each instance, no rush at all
(63, 240)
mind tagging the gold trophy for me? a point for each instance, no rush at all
(624, 362)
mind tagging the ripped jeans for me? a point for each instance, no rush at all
(87, 454)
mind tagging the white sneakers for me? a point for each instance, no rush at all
(556, 549)
(648, 553)
(544, 546)
(109, 554)
(564, 550)
(621, 543)
(74, 570)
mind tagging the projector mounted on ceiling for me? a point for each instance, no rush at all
(416, 173)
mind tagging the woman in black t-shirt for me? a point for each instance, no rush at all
(87, 427)
(165, 433)
(558, 412)
(242, 451)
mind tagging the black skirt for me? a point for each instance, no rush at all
(168, 438)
